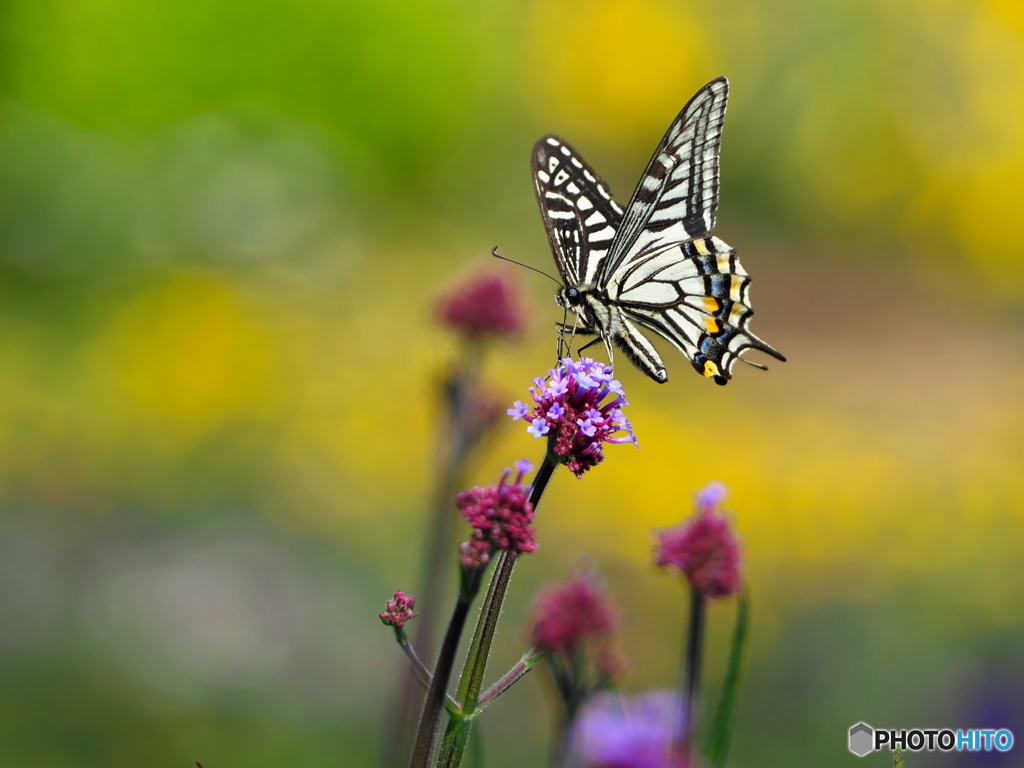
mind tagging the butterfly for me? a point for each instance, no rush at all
(655, 266)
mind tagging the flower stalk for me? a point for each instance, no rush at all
(690, 683)
(706, 552)
(721, 728)
(460, 723)
(479, 310)
(432, 704)
(578, 407)
(468, 695)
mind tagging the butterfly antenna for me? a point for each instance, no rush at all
(495, 254)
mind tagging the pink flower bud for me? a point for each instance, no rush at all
(500, 516)
(398, 611)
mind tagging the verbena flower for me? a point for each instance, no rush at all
(705, 547)
(399, 610)
(571, 613)
(500, 516)
(575, 623)
(484, 305)
(572, 409)
(614, 731)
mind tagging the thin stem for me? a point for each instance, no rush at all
(457, 732)
(439, 685)
(524, 665)
(721, 730)
(457, 437)
(691, 670)
(455, 444)
(419, 669)
(483, 635)
(540, 481)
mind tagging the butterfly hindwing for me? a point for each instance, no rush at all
(580, 216)
(695, 294)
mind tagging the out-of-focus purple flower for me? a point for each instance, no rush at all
(711, 497)
(483, 305)
(399, 610)
(570, 410)
(573, 612)
(500, 516)
(615, 731)
(704, 547)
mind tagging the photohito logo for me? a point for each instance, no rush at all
(865, 739)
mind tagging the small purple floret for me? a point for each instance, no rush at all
(538, 428)
(518, 410)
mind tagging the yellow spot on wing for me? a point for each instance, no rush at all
(702, 247)
(723, 262)
(710, 369)
(711, 305)
(711, 324)
(735, 288)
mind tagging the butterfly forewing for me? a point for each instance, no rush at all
(580, 216)
(677, 196)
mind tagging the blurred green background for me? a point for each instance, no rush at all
(223, 228)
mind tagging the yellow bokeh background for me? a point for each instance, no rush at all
(224, 228)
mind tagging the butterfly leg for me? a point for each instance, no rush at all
(565, 345)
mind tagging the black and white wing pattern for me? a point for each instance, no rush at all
(677, 196)
(696, 295)
(579, 214)
(662, 269)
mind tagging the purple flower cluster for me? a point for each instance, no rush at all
(569, 411)
(705, 547)
(576, 623)
(500, 516)
(571, 612)
(483, 306)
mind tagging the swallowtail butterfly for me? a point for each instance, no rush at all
(656, 265)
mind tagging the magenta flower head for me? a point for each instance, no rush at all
(483, 305)
(572, 613)
(500, 516)
(705, 547)
(398, 611)
(614, 731)
(577, 408)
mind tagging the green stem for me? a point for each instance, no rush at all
(419, 669)
(457, 732)
(427, 729)
(525, 664)
(454, 446)
(457, 437)
(691, 670)
(721, 729)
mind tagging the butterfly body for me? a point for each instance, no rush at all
(656, 265)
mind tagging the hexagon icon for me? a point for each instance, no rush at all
(861, 738)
